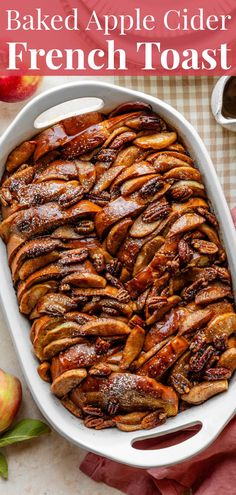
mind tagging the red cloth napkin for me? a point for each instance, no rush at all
(210, 472)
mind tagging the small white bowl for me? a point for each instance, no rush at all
(217, 103)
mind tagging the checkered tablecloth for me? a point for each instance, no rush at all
(192, 96)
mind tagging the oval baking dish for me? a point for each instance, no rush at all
(213, 415)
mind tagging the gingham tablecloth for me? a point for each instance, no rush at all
(192, 97)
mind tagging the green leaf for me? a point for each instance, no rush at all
(24, 430)
(3, 466)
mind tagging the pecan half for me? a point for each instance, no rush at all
(114, 267)
(204, 247)
(190, 292)
(151, 187)
(212, 374)
(100, 199)
(210, 217)
(101, 346)
(156, 211)
(185, 253)
(74, 256)
(84, 227)
(181, 193)
(180, 383)
(200, 359)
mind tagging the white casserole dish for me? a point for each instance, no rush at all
(212, 415)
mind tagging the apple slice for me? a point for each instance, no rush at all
(224, 324)
(105, 327)
(127, 156)
(53, 304)
(87, 174)
(117, 235)
(67, 381)
(85, 280)
(115, 211)
(165, 160)
(141, 229)
(156, 141)
(31, 297)
(133, 347)
(132, 185)
(147, 252)
(203, 391)
(20, 155)
(164, 358)
(77, 356)
(106, 179)
(59, 345)
(213, 293)
(139, 169)
(181, 173)
(228, 359)
(194, 321)
(185, 223)
(32, 265)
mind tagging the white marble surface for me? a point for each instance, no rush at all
(48, 465)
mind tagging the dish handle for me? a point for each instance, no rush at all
(210, 427)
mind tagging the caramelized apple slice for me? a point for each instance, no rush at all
(106, 179)
(117, 235)
(228, 359)
(132, 185)
(170, 303)
(115, 211)
(49, 140)
(105, 327)
(33, 295)
(162, 330)
(133, 393)
(133, 347)
(77, 356)
(85, 280)
(20, 155)
(224, 324)
(180, 173)
(136, 170)
(191, 204)
(141, 228)
(127, 156)
(93, 136)
(78, 123)
(67, 381)
(32, 265)
(203, 391)
(146, 253)
(32, 249)
(183, 189)
(130, 106)
(185, 223)
(166, 160)
(194, 321)
(156, 141)
(213, 293)
(56, 346)
(164, 358)
(87, 174)
(53, 304)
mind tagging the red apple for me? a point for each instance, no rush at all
(18, 88)
(10, 399)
